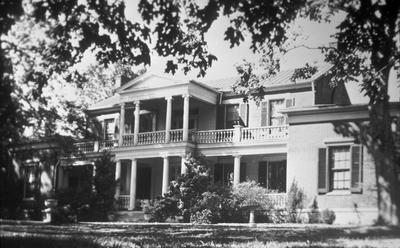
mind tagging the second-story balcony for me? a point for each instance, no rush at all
(237, 135)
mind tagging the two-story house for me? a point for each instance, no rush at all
(152, 122)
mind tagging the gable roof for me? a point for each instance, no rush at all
(281, 78)
(147, 81)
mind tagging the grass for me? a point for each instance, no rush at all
(178, 235)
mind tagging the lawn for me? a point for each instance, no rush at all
(181, 235)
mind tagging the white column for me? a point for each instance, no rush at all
(236, 170)
(185, 117)
(117, 178)
(165, 175)
(137, 123)
(168, 118)
(183, 165)
(121, 123)
(153, 122)
(132, 192)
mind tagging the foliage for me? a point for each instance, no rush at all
(201, 217)
(295, 203)
(314, 215)
(328, 216)
(251, 195)
(94, 198)
(366, 46)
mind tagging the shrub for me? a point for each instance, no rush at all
(328, 216)
(314, 216)
(202, 217)
(252, 196)
(295, 203)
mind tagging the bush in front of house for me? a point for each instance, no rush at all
(328, 216)
(252, 197)
(295, 203)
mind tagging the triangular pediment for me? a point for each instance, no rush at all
(149, 81)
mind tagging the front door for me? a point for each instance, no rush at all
(143, 182)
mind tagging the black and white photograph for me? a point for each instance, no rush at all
(199, 123)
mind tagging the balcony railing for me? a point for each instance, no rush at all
(236, 135)
(213, 136)
(278, 200)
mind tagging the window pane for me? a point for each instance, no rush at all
(340, 167)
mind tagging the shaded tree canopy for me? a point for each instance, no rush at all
(367, 47)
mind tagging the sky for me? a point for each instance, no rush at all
(315, 35)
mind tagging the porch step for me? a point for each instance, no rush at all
(127, 216)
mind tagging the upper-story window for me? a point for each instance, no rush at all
(276, 118)
(109, 127)
(230, 115)
(271, 111)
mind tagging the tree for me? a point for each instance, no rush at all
(66, 30)
(367, 46)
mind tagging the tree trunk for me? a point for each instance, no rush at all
(381, 144)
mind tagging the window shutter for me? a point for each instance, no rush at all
(242, 172)
(264, 113)
(356, 169)
(262, 173)
(322, 171)
(244, 114)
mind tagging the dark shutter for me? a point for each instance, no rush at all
(356, 169)
(264, 113)
(244, 114)
(220, 117)
(242, 172)
(262, 173)
(322, 171)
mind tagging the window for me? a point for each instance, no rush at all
(275, 117)
(232, 114)
(272, 175)
(109, 128)
(340, 168)
(223, 174)
(339, 163)
(271, 111)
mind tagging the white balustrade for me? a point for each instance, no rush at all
(128, 140)
(278, 200)
(200, 137)
(176, 135)
(214, 136)
(123, 201)
(108, 144)
(147, 138)
(84, 146)
(264, 133)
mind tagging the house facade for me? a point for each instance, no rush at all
(153, 122)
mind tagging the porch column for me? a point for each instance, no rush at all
(165, 175)
(236, 170)
(168, 118)
(121, 123)
(137, 123)
(117, 178)
(132, 192)
(185, 117)
(183, 165)
(153, 122)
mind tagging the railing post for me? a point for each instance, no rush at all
(96, 146)
(237, 133)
